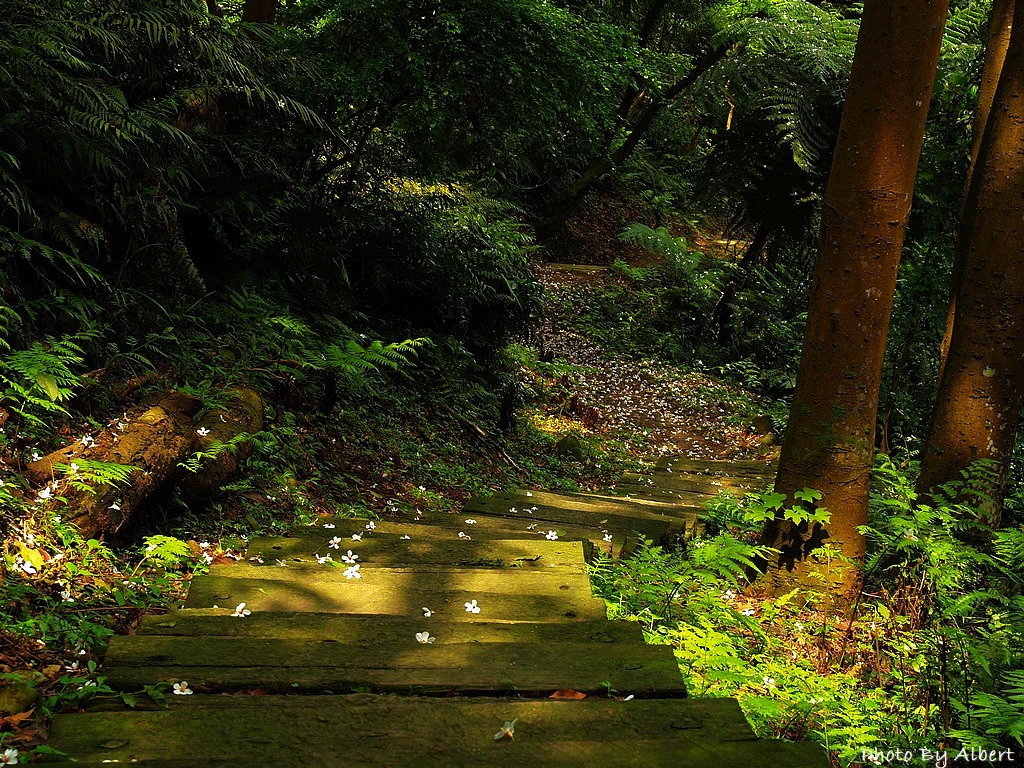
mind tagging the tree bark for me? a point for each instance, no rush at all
(829, 442)
(981, 389)
(155, 438)
(999, 27)
(260, 11)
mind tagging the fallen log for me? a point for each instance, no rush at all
(155, 439)
(229, 428)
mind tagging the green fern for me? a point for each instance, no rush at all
(38, 378)
(91, 475)
(195, 462)
(998, 716)
(776, 101)
(165, 550)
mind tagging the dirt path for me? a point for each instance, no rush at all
(673, 411)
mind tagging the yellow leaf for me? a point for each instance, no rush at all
(49, 384)
(31, 556)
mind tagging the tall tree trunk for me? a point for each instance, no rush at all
(999, 27)
(260, 11)
(982, 385)
(829, 443)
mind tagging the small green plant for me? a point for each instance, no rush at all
(37, 379)
(760, 508)
(90, 475)
(210, 453)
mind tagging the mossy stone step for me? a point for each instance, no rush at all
(657, 506)
(507, 594)
(599, 515)
(196, 622)
(602, 506)
(710, 485)
(384, 730)
(447, 527)
(215, 664)
(526, 554)
(552, 580)
(764, 469)
(631, 491)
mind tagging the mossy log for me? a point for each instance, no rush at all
(156, 437)
(242, 416)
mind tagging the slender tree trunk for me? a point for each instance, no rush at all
(995, 53)
(260, 11)
(982, 385)
(829, 443)
(569, 201)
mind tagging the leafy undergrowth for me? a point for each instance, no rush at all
(931, 658)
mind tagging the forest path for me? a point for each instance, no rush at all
(673, 411)
(463, 639)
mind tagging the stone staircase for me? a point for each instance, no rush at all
(460, 640)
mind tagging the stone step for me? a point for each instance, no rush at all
(599, 515)
(764, 469)
(447, 527)
(627, 490)
(705, 485)
(519, 557)
(602, 506)
(506, 594)
(404, 665)
(386, 630)
(534, 553)
(387, 730)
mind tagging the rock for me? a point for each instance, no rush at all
(18, 691)
(571, 447)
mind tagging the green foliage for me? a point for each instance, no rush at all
(68, 595)
(999, 716)
(912, 349)
(165, 551)
(759, 508)
(657, 584)
(701, 278)
(769, 312)
(91, 475)
(662, 311)
(463, 270)
(34, 381)
(933, 654)
(953, 589)
(457, 87)
(104, 131)
(774, 105)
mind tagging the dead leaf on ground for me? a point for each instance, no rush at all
(18, 719)
(567, 693)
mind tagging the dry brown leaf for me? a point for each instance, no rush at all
(567, 693)
(18, 719)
